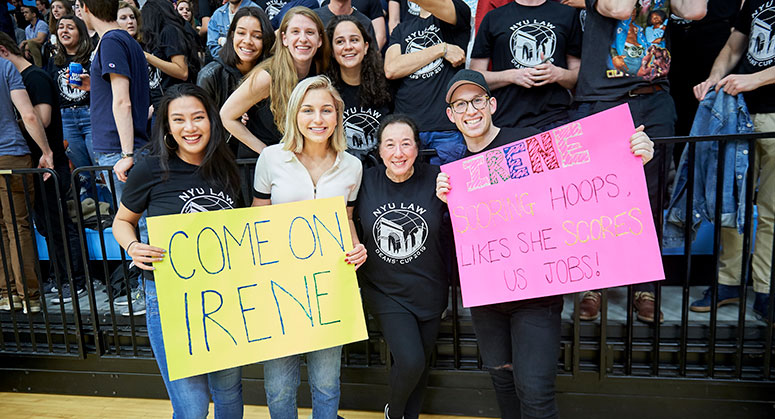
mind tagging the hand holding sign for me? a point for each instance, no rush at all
(247, 285)
(564, 211)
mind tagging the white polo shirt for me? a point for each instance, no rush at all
(281, 177)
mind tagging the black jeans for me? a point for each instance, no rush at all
(520, 345)
(411, 343)
(657, 113)
(46, 214)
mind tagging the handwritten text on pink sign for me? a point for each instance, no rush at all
(564, 211)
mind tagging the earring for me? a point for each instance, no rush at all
(167, 143)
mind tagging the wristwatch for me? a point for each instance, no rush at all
(125, 155)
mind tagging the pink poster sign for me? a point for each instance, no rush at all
(564, 211)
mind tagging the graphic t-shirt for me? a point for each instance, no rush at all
(407, 237)
(183, 192)
(41, 89)
(506, 136)
(118, 53)
(68, 95)
(360, 122)
(409, 9)
(271, 7)
(517, 36)
(756, 20)
(421, 94)
(622, 55)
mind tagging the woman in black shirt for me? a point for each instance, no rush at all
(190, 153)
(356, 71)
(404, 281)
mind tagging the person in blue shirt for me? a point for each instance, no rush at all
(35, 34)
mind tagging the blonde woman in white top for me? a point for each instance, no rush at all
(309, 163)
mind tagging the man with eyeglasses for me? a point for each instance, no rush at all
(519, 341)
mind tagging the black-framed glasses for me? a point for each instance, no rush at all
(461, 106)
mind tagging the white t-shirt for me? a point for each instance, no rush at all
(281, 177)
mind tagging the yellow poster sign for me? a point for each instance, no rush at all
(247, 285)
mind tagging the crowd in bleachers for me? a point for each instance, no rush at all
(336, 99)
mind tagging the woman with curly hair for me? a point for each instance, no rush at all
(357, 73)
(302, 50)
(248, 42)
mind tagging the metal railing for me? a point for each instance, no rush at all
(612, 346)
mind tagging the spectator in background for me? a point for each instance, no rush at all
(95, 37)
(21, 289)
(119, 98)
(345, 8)
(6, 22)
(43, 96)
(59, 8)
(186, 11)
(619, 64)
(248, 42)
(219, 22)
(36, 34)
(424, 54)
(531, 82)
(357, 73)
(170, 45)
(43, 7)
(746, 67)
(130, 20)
(302, 50)
(74, 45)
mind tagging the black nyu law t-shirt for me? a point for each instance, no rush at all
(756, 20)
(517, 36)
(69, 96)
(407, 238)
(421, 94)
(622, 55)
(41, 89)
(361, 121)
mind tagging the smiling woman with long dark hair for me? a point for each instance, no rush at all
(189, 152)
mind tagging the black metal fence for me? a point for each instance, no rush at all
(734, 349)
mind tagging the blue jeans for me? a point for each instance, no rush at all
(449, 145)
(281, 382)
(190, 396)
(76, 128)
(520, 343)
(109, 159)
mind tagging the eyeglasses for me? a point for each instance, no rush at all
(461, 106)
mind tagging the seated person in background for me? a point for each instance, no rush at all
(424, 54)
(35, 34)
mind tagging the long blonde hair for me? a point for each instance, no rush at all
(281, 69)
(293, 140)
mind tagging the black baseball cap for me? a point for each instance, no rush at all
(466, 76)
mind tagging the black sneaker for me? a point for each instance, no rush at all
(67, 295)
(49, 286)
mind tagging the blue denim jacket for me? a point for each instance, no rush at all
(717, 114)
(219, 25)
